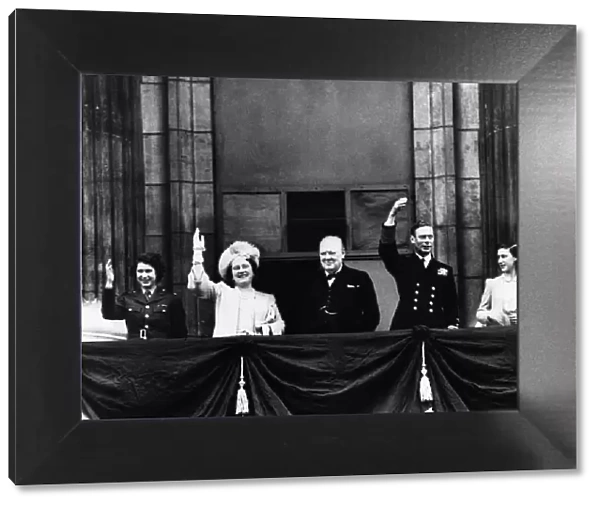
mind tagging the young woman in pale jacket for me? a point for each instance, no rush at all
(239, 308)
(499, 301)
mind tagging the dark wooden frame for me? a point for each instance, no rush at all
(49, 51)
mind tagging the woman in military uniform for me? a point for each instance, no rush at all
(150, 311)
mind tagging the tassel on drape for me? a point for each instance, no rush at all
(241, 407)
(424, 385)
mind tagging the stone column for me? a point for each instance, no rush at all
(468, 183)
(190, 173)
(434, 165)
(156, 184)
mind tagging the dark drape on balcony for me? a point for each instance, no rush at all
(160, 378)
(112, 180)
(498, 152)
(353, 374)
(471, 369)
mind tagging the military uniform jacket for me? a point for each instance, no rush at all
(161, 317)
(349, 305)
(427, 295)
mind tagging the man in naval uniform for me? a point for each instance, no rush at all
(425, 285)
(341, 299)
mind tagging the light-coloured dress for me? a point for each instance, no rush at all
(239, 311)
(499, 298)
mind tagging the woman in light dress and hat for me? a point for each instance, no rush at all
(239, 308)
(498, 304)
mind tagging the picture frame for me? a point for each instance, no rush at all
(50, 50)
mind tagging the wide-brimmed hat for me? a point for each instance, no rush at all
(237, 249)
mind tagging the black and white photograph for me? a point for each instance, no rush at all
(280, 247)
(257, 246)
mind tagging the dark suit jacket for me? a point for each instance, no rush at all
(161, 317)
(349, 305)
(427, 296)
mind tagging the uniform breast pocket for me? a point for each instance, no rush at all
(135, 309)
(160, 308)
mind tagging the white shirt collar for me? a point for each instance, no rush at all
(330, 280)
(426, 259)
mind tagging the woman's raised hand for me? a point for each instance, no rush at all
(110, 274)
(198, 247)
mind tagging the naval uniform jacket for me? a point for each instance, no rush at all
(349, 305)
(427, 295)
(160, 317)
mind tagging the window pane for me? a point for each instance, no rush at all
(313, 215)
(369, 211)
(316, 204)
(306, 235)
(255, 218)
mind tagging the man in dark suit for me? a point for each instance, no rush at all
(341, 299)
(425, 285)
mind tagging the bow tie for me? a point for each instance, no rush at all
(331, 276)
